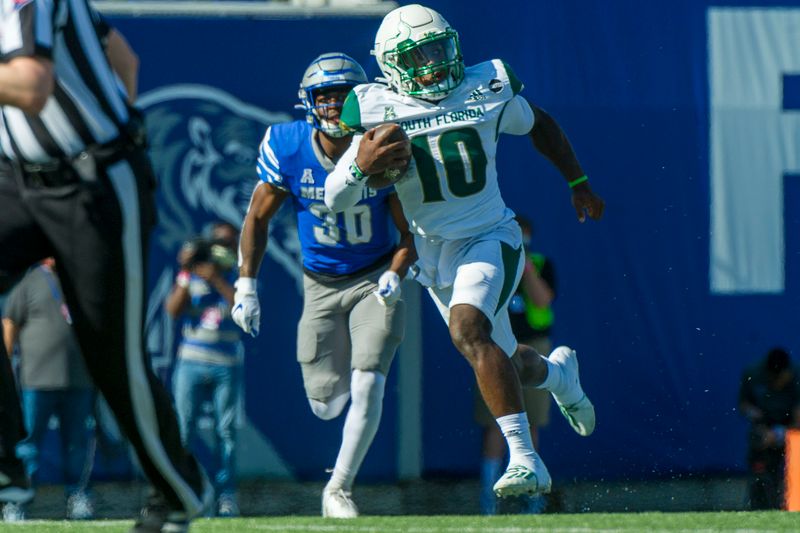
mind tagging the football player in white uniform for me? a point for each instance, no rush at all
(469, 246)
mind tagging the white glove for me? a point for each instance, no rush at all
(388, 288)
(246, 311)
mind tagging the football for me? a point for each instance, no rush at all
(391, 133)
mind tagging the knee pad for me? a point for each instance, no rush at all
(330, 409)
(367, 386)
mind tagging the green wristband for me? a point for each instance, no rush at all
(356, 172)
(577, 181)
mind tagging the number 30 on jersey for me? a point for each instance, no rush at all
(357, 225)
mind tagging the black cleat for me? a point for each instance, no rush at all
(157, 517)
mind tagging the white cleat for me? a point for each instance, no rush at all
(519, 480)
(338, 503)
(579, 414)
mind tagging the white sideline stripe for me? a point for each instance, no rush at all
(24, 526)
(412, 529)
(124, 183)
(384, 528)
(248, 525)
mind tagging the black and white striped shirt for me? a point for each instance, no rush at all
(88, 104)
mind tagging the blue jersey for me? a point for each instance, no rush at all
(332, 243)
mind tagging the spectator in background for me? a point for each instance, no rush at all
(210, 352)
(531, 320)
(54, 382)
(769, 398)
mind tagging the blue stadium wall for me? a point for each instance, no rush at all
(663, 337)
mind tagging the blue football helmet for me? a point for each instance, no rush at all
(329, 70)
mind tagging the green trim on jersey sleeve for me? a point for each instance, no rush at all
(350, 118)
(516, 85)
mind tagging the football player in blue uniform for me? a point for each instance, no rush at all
(353, 318)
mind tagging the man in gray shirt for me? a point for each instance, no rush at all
(53, 379)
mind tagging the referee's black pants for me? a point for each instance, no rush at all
(98, 232)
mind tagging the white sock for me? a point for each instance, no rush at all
(554, 380)
(517, 432)
(360, 426)
(560, 387)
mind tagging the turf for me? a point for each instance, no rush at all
(557, 523)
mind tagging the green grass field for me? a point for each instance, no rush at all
(557, 523)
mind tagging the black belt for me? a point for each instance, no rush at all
(45, 175)
(82, 167)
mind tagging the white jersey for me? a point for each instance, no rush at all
(450, 190)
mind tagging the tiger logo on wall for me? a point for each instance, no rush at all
(203, 146)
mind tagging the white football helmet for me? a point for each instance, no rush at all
(331, 70)
(419, 53)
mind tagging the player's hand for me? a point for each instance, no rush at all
(584, 200)
(388, 288)
(375, 154)
(246, 311)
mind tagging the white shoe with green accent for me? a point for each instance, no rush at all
(579, 413)
(519, 480)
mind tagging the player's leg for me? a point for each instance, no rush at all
(558, 373)
(323, 350)
(375, 332)
(486, 274)
(23, 243)
(536, 400)
(537, 406)
(100, 233)
(500, 389)
(493, 446)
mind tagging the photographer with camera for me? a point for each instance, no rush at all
(210, 353)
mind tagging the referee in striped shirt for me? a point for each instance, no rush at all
(75, 183)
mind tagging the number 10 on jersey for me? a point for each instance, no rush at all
(464, 163)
